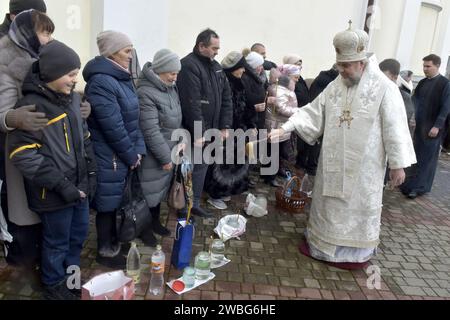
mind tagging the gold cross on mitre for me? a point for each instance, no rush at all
(350, 23)
(346, 117)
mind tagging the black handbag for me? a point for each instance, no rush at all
(134, 216)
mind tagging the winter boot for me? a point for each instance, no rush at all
(148, 238)
(59, 292)
(157, 227)
(108, 252)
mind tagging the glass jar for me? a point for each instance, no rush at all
(202, 266)
(217, 252)
(189, 277)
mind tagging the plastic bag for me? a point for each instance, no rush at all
(307, 185)
(109, 286)
(232, 226)
(256, 206)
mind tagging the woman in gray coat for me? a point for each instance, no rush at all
(160, 116)
(29, 31)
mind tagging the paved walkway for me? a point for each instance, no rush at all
(414, 257)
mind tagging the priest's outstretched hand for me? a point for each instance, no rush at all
(275, 135)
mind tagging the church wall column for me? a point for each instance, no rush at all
(407, 33)
(445, 68)
(385, 28)
(442, 43)
(425, 29)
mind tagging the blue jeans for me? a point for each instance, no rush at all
(63, 234)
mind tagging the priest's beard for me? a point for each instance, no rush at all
(354, 80)
(351, 82)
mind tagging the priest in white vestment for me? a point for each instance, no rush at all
(362, 118)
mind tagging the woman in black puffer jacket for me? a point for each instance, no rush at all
(255, 89)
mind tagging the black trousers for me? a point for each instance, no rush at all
(285, 154)
(25, 250)
(106, 229)
(308, 156)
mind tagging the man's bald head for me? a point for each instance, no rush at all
(259, 48)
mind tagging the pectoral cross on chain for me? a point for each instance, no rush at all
(346, 117)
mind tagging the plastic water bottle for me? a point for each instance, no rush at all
(288, 192)
(157, 279)
(307, 185)
(134, 263)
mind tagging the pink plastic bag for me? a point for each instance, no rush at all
(109, 286)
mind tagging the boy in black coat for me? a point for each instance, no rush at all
(57, 164)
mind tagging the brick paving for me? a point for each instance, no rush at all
(414, 256)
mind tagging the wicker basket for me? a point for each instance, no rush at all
(296, 202)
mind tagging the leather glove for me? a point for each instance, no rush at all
(25, 118)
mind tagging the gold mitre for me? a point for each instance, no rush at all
(351, 45)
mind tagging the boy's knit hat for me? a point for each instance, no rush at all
(56, 60)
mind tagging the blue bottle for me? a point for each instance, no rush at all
(288, 192)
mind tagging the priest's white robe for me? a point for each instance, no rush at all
(347, 197)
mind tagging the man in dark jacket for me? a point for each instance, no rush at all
(16, 7)
(321, 82)
(432, 103)
(302, 94)
(205, 97)
(261, 49)
(391, 68)
(446, 143)
(310, 160)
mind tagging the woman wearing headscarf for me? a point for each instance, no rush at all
(301, 88)
(115, 133)
(160, 116)
(29, 31)
(255, 91)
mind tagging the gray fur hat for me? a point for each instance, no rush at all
(233, 61)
